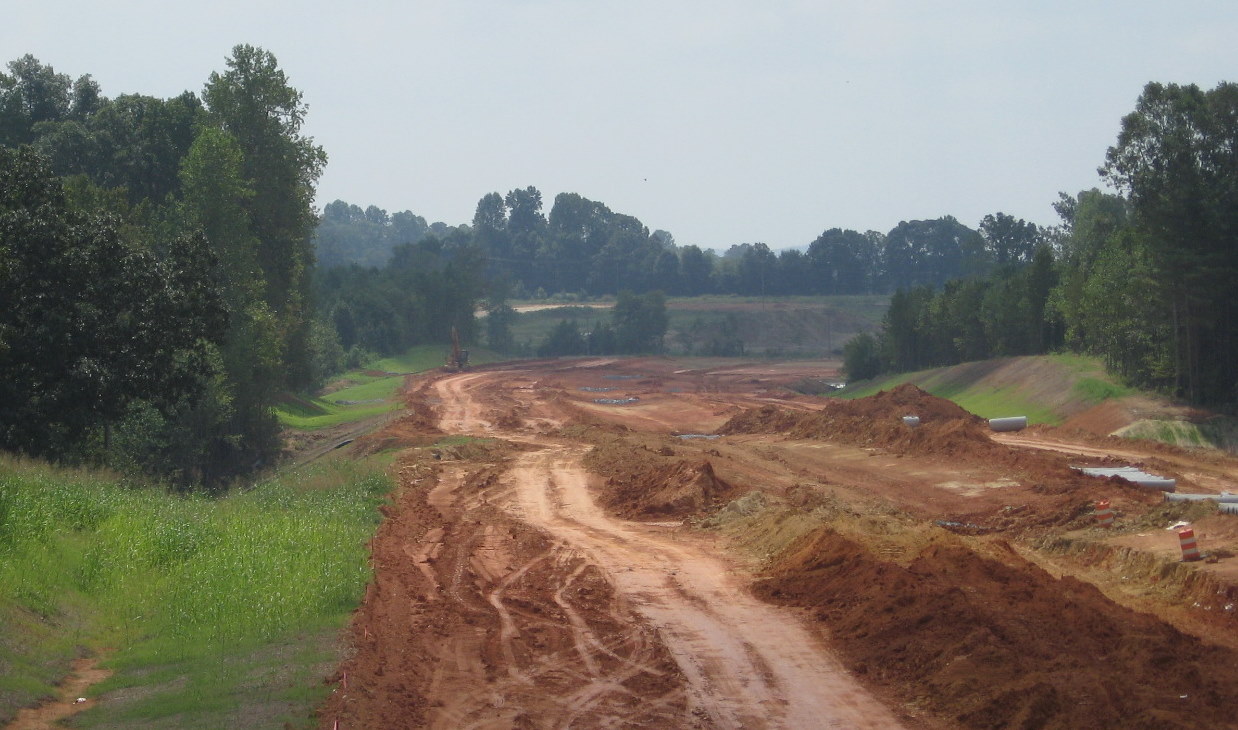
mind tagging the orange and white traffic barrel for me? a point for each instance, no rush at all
(1190, 550)
(1104, 513)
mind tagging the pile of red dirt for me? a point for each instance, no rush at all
(766, 419)
(642, 485)
(988, 643)
(877, 420)
(948, 432)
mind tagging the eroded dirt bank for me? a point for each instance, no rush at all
(540, 573)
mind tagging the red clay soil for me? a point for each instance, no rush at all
(875, 420)
(642, 485)
(491, 607)
(984, 643)
(946, 431)
(477, 620)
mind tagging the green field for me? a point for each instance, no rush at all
(769, 326)
(212, 612)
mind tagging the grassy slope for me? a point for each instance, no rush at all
(1047, 389)
(366, 395)
(212, 612)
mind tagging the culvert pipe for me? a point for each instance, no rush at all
(1013, 423)
(911, 421)
(1223, 497)
(1131, 474)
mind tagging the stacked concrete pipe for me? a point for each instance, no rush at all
(1223, 497)
(1226, 501)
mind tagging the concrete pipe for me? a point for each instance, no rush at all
(911, 421)
(1165, 485)
(1223, 497)
(1131, 474)
(1014, 423)
(1229, 508)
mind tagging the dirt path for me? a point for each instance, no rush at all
(748, 664)
(85, 673)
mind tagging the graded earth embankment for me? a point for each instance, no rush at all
(988, 643)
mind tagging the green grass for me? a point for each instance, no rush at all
(378, 388)
(414, 360)
(1218, 432)
(531, 328)
(1095, 390)
(206, 605)
(984, 402)
(366, 395)
(332, 415)
(999, 403)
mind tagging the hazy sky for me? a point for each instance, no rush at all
(722, 122)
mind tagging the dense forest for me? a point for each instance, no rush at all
(165, 277)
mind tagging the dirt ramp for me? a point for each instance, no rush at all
(983, 642)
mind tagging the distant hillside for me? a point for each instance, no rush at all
(720, 325)
(1071, 391)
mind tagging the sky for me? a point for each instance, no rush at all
(722, 122)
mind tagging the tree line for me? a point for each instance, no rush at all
(1139, 277)
(155, 269)
(583, 248)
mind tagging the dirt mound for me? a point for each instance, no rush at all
(766, 419)
(846, 418)
(643, 484)
(979, 641)
(904, 400)
(945, 428)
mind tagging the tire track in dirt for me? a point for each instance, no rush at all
(748, 664)
(476, 620)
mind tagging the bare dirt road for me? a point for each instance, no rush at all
(552, 561)
(746, 663)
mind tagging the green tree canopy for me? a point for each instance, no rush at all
(1177, 159)
(88, 323)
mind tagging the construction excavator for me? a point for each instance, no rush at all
(457, 359)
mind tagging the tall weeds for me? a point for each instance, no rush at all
(167, 578)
